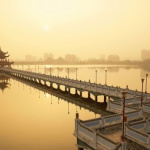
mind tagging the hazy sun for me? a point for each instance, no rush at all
(46, 95)
(46, 27)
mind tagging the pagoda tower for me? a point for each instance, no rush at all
(4, 59)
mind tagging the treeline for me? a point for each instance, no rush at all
(61, 61)
(71, 59)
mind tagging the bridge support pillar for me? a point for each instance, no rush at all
(104, 98)
(81, 94)
(76, 91)
(108, 103)
(58, 87)
(40, 82)
(69, 90)
(51, 85)
(89, 95)
(79, 148)
(123, 145)
(65, 89)
(95, 98)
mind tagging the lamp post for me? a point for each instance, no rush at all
(142, 93)
(38, 69)
(76, 73)
(76, 108)
(35, 68)
(57, 71)
(123, 116)
(58, 100)
(44, 69)
(105, 77)
(96, 76)
(68, 108)
(68, 73)
(50, 71)
(146, 83)
(51, 100)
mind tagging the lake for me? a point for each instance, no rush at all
(34, 120)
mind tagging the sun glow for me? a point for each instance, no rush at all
(83, 28)
(47, 66)
(46, 27)
(47, 95)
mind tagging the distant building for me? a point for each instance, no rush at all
(113, 58)
(145, 54)
(4, 61)
(71, 58)
(30, 58)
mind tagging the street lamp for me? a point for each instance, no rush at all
(44, 69)
(76, 108)
(51, 100)
(96, 76)
(142, 93)
(123, 116)
(68, 108)
(68, 73)
(58, 100)
(50, 71)
(76, 73)
(38, 69)
(146, 83)
(57, 71)
(105, 77)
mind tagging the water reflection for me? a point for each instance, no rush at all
(36, 117)
(4, 82)
(72, 68)
(86, 103)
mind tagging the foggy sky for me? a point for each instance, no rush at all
(86, 28)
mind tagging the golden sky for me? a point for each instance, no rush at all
(86, 28)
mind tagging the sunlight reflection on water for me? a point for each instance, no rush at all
(32, 119)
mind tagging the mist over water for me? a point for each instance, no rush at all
(35, 120)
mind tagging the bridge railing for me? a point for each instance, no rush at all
(116, 106)
(93, 87)
(133, 100)
(62, 97)
(146, 107)
(92, 138)
(136, 132)
(111, 119)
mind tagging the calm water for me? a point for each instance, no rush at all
(33, 120)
